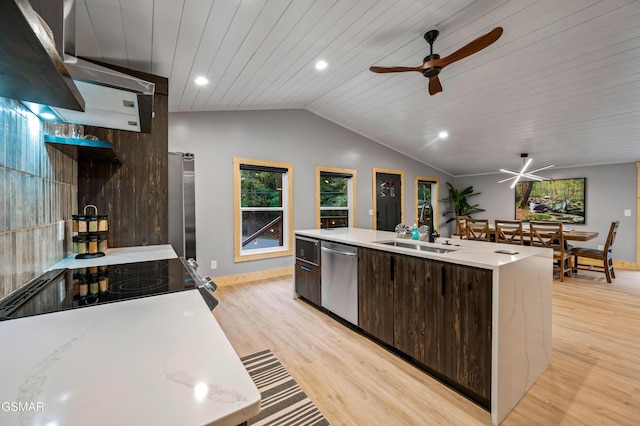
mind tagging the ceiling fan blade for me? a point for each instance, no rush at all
(395, 69)
(470, 48)
(434, 85)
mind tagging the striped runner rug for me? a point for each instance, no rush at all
(283, 402)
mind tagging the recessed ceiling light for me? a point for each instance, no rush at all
(443, 135)
(201, 81)
(47, 116)
(320, 65)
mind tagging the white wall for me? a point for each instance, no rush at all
(610, 189)
(293, 136)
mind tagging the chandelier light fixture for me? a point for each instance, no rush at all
(524, 174)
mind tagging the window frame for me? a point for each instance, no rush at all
(287, 208)
(352, 210)
(435, 196)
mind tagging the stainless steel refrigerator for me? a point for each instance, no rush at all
(182, 204)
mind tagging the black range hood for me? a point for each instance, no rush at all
(30, 67)
(37, 66)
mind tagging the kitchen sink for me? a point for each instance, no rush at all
(415, 246)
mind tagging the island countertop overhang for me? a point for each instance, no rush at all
(479, 254)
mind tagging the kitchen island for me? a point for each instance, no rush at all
(475, 315)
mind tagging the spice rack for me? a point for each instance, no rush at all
(90, 234)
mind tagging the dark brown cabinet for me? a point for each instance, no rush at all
(437, 313)
(465, 352)
(410, 330)
(375, 293)
(307, 282)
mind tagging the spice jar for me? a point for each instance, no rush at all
(74, 223)
(84, 288)
(76, 289)
(102, 243)
(94, 284)
(103, 282)
(92, 223)
(103, 223)
(93, 244)
(80, 245)
(83, 225)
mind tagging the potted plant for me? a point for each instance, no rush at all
(459, 203)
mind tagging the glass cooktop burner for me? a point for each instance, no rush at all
(71, 288)
(137, 285)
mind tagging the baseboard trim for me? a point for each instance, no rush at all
(623, 264)
(619, 264)
(253, 276)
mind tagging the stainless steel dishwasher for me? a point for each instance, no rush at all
(339, 269)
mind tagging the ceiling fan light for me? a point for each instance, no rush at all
(523, 173)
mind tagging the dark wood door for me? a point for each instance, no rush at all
(307, 282)
(409, 306)
(466, 335)
(388, 201)
(375, 293)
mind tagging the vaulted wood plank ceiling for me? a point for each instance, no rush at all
(562, 84)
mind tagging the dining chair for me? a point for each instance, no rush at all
(477, 229)
(549, 234)
(461, 224)
(508, 231)
(605, 255)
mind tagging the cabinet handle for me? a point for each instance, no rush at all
(443, 285)
(304, 268)
(392, 269)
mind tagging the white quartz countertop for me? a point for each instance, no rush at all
(160, 360)
(117, 256)
(480, 254)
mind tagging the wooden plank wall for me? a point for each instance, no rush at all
(133, 194)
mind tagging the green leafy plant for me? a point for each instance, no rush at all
(460, 205)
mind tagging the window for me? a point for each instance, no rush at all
(335, 199)
(427, 190)
(262, 209)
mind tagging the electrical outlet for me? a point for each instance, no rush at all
(61, 230)
(370, 212)
(600, 247)
(627, 212)
(214, 264)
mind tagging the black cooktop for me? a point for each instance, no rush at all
(64, 289)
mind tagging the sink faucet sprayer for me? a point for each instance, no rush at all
(433, 234)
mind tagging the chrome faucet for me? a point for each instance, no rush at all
(433, 234)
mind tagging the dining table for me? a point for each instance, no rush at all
(569, 234)
(579, 235)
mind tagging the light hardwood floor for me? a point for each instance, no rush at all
(594, 378)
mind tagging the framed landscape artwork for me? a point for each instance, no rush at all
(560, 200)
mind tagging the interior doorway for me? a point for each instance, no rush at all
(388, 206)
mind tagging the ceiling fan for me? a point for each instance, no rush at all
(433, 64)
